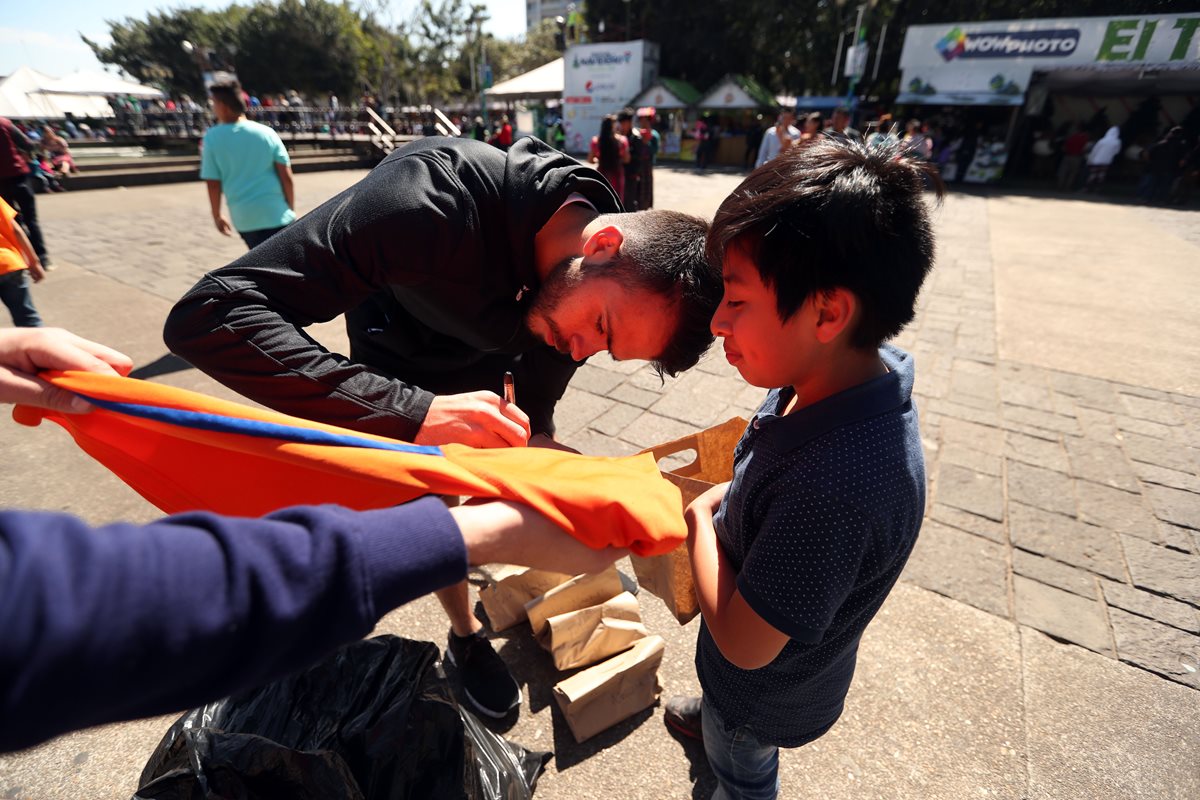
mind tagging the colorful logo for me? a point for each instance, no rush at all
(952, 45)
(1055, 43)
(588, 87)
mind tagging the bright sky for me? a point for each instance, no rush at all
(45, 36)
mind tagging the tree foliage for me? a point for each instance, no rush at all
(319, 46)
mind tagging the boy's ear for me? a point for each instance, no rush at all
(836, 310)
(604, 244)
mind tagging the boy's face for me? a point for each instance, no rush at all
(766, 351)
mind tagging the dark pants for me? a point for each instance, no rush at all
(18, 193)
(254, 238)
(15, 294)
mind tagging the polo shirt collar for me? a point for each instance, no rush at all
(871, 399)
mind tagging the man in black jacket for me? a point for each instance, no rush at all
(454, 263)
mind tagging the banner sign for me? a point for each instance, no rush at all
(602, 79)
(991, 63)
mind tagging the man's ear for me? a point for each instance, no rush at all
(604, 244)
(836, 310)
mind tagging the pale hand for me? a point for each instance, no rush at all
(478, 419)
(26, 351)
(503, 532)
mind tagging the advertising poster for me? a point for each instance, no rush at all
(991, 63)
(602, 79)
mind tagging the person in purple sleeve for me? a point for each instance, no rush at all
(121, 621)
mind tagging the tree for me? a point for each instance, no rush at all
(512, 57)
(443, 35)
(151, 50)
(314, 46)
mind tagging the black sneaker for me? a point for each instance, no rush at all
(682, 715)
(486, 681)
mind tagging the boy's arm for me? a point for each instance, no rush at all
(214, 202)
(744, 638)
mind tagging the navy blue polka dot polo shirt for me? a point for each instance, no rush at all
(823, 511)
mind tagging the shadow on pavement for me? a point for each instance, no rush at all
(163, 365)
(704, 783)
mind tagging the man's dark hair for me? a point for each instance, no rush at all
(625, 113)
(663, 252)
(836, 214)
(230, 94)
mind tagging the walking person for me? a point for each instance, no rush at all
(610, 153)
(16, 185)
(248, 163)
(18, 264)
(652, 141)
(1164, 164)
(1073, 149)
(779, 138)
(635, 167)
(1101, 158)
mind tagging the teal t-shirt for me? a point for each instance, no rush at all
(242, 156)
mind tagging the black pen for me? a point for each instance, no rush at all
(510, 390)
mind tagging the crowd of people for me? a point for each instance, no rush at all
(1165, 168)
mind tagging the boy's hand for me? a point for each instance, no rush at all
(26, 351)
(223, 226)
(37, 271)
(709, 502)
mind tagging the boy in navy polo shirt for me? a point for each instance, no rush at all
(823, 253)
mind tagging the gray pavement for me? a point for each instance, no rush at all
(1045, 639)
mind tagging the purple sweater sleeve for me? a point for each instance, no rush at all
(125, 621)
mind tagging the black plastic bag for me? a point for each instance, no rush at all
(374, 721)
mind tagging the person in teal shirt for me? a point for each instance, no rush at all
(249, 164)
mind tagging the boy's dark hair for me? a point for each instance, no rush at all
(836, 213)
(230, 94)
(625, 113)
(663, 252)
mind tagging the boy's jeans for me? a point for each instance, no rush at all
(745, 769)
(15, 294)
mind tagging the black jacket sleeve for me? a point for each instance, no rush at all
(242, 324)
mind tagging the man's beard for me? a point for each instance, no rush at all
(554, 289)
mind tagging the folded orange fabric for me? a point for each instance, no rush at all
(186, 451)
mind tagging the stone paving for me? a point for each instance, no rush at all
(1064, 500)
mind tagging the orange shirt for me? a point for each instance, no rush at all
(11, 259)
(186, 451)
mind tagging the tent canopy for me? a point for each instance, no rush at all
(737, 91)
(98, 83)
(29, 94)
(668, 93)
(542, 83)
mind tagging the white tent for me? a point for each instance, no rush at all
(29, 94)
(99, 83)
(542, 83)
(20, 95)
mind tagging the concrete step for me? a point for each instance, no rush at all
(109, 176)
(153, 163)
